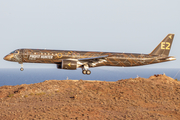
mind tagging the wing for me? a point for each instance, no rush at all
(93, 61)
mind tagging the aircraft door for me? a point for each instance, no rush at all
(25, 55)
(21, 55)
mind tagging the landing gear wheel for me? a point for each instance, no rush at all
(88, 72)
(84, 71)
(21, 69)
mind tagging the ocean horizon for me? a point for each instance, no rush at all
(13, 76)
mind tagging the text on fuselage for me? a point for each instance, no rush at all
(33, 57)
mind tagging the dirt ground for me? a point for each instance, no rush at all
(157, 97)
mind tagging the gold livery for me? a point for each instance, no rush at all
(72, 60)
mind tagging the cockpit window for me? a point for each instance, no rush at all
(14, 51)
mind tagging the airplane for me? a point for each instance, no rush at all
(71, 60)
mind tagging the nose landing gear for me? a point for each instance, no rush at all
(21, 69)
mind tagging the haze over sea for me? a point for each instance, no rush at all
(31, 75)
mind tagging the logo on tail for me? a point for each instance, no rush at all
(167, 44)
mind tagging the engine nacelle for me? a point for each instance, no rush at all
(67, 64)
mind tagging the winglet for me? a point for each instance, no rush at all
(164, 46)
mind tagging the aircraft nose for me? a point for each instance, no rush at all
(8, 57)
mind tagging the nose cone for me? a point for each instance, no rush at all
(8, 57)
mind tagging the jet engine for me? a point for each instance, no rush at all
(67, 64)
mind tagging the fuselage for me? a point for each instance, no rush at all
(71, 59)
(56, 57)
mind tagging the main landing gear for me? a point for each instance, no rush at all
(88, 72)
(21, 69)
(85, 70)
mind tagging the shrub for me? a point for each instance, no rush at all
(10, 95)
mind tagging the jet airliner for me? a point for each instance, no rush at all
(71, 60)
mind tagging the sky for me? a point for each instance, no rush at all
(96, 25)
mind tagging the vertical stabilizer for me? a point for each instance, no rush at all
(164, 46)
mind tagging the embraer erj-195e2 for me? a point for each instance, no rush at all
(72, 60)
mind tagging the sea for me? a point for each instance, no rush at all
(13, 76)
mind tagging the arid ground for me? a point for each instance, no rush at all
(154, 98)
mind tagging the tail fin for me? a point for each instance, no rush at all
(164, 46)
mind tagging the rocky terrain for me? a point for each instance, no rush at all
(157, 97)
